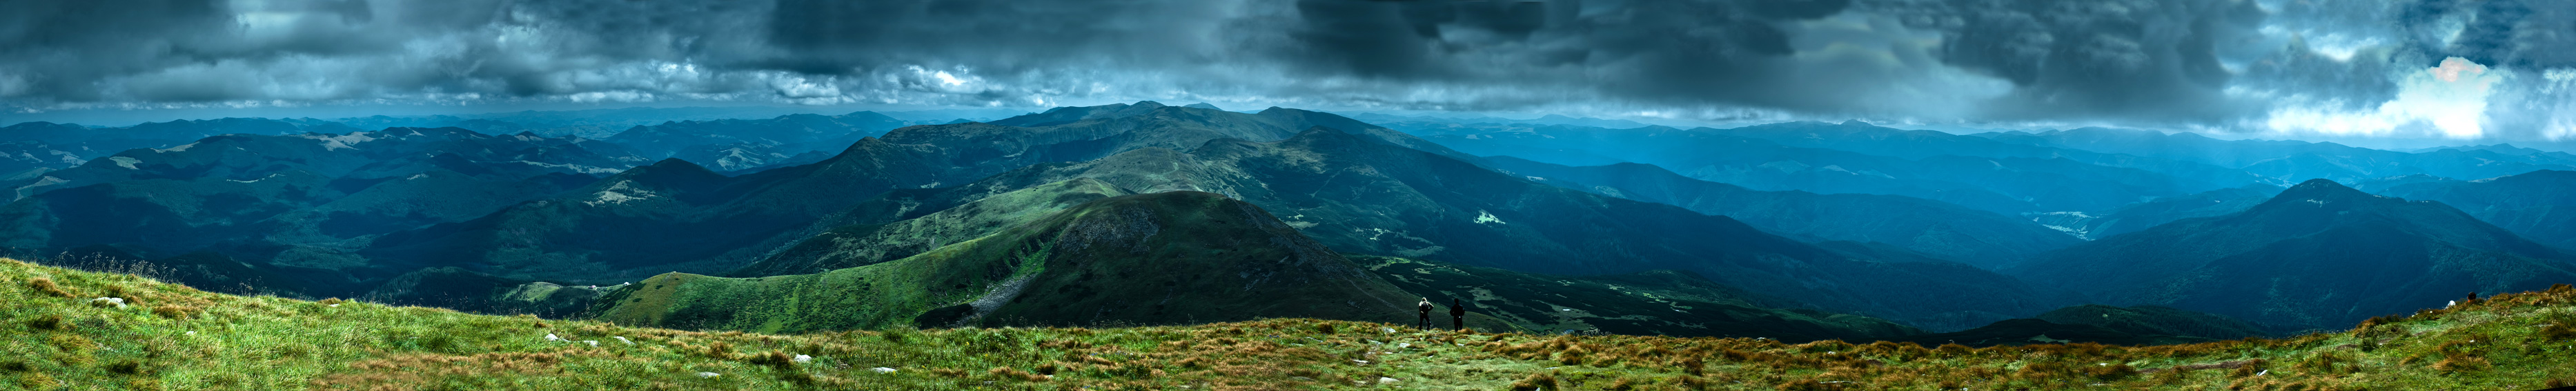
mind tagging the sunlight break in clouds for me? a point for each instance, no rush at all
(2558, 97)
(2450, 99)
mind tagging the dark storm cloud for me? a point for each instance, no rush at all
(829, 36)
(2147, 61)
(1739, 53)
(70, 43)
(2524, 33)
(2115, 58)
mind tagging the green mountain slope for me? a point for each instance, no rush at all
(591, 237)
(891, 294)
(1160, 258)
(871, 239)
(2317, 255)
(1365, 197)
(170, 337)
(1941, 229)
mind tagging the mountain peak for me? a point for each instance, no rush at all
(1203, 105)
(669, 166)
(2321, 189)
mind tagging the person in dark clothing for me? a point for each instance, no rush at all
(1426, 315)
(1457, 315)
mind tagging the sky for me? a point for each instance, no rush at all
(2447, 71)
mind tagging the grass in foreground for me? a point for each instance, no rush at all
(170, 337)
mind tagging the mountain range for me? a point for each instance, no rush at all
(1184, 257)
(1160, 258)
(300, 188)
(1796, 231)
(1828, 158)
(2536, 205)
(742, 145)
(28, 150)
(1934, 228)
(2297, 159)
(2317, 255)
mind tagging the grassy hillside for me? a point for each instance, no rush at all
(870, 241)
(928, 289)
(170, 337)
(1160, 258)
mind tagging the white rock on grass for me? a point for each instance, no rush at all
(708, 374)
(623, 339)
(119, 302)
(592, 343)
(1385, 381)
(883, 370)
(801, 359)
(550, 337)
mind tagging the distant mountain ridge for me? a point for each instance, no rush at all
(1824, 158)
(241, 188)
(2539, 205)
(1180, 257)
(739, 144)
(401, 212)
(2150, 213)
(31, 148)
(1361, 196)
(2298, 159)
(1948, 231)
(2317, 255)
(714, 224)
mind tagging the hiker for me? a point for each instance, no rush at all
(1425, 323)
(1457, 314)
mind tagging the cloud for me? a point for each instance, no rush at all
(2310, 65)
(2447, 101)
